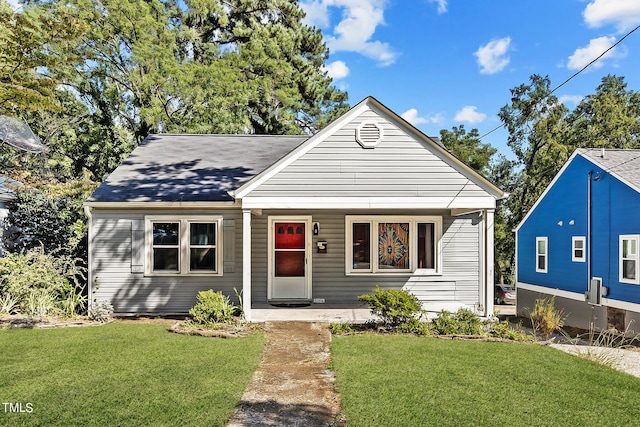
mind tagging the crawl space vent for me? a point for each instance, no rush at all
(369, 135)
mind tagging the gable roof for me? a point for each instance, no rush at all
(622, 164)
(369, 102)
(192, 168)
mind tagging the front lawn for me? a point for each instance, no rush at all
(413, 381)
(122, 374)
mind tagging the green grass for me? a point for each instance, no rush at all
(412, 381)
(123, 374)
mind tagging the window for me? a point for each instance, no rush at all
(183, 246)
(541, 254)
(392, 244)
(578, 249)
(629, 259)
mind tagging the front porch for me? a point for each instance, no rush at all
(329, 313)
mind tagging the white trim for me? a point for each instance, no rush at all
(635, 258)
(551, 291)
(489, 250)
(183, 245)
(413, 221)
(366, 144)
(475, 203)
(373, 104)
(575, 239)
(246, 264)
(308, 271)
(168, 205)
(546, 254)
(608, 302)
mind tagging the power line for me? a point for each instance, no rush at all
(574, 75)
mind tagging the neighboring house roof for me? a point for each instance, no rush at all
(7, 187)
(192, 168)
(623, 164)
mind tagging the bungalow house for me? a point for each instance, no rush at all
(580, 242)
(293, 220)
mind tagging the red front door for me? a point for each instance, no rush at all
(289, 268)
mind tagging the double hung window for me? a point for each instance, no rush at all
(629, 261)
(542, 257)
(578, 249)
(183, 245)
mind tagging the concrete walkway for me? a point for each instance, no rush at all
(292, 385)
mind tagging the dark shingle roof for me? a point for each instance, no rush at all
(623, 163)
(8, 187)
(192, 168)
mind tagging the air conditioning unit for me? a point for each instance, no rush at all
(594, 293)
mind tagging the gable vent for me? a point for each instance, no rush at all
(369, 135)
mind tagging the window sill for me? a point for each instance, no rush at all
(399, 273)
(156, 274)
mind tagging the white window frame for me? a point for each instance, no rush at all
(635, 258)
(574, 240)
(184, 264)
(546, 255)
(374, 220)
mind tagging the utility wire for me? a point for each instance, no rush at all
(574, 75)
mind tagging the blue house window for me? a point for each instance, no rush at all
(578, 251)
(629, 259)
(541, 255)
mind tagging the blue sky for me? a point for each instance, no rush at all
(445, 63)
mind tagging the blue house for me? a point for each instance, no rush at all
(580, 242)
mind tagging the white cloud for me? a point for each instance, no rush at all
(411, 115)
(492, 56)
(582, 56)
(354, 32)
(442, 5)
(624, 14)
(15, 5)
(337, 70)
(470, 115)
(570, 99)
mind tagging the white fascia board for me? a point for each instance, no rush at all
(471, 203)
(623, 305)
(300, 151)
(546, 190)
(152, 205)
(551, 291)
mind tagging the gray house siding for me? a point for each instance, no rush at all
(400, 166)
(116, 276)
(459, 281)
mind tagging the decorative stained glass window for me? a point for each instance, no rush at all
(393, 246)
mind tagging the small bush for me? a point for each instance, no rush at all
(505, 331)
(545, 318)
(463, 322)
(213, 307)
(398, 309)
(101, 311)
(341, 328)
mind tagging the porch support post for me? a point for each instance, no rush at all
(246, 263)
(490, 261)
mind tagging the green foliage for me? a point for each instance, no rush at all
(39, 284)
(100, 311)
(504, 330)
(463, 322)
(213, 307)
(468, 147)
(398, 309)
(545, 317)
(341, 328)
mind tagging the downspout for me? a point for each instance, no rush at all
(589, 230)
(87, 212)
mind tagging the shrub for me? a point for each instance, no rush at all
(213, 307)
(398, 309)
(101, 311)
(505, 331)
(545, 318)
(38, 284)
(463, 322)
(341, 328)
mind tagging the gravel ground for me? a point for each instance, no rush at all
(625, 360)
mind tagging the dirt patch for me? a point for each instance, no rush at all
(236, 330)
(19, 321)
(293, 385)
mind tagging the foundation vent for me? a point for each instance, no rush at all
(369, 135)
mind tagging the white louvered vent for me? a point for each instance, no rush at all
(369, 135)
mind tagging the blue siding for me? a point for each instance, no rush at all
(615, 208)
